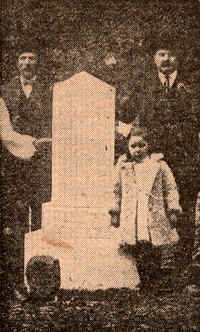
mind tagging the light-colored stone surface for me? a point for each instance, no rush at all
(83, 141)
(86, 262)
(75, 224)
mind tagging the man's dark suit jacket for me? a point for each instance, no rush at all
(173, 121)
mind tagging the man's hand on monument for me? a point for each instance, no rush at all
(173, 220)
(42, 143)
(7, 231)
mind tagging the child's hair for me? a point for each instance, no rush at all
(139, 131)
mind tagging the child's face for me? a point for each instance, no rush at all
(138, 148)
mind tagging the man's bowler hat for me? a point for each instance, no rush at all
(165, 41)
(26, 45)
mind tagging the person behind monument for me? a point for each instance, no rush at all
(146, 208)
(25, 129)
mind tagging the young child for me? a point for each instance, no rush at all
(146, 207)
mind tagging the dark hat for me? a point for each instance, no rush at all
(165, 41)
(163, 44)
(28, 45)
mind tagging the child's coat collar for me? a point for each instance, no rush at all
(154, 157)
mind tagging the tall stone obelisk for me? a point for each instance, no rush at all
(82, 151)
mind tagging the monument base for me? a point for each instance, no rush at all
(80, 221)
(86, 246)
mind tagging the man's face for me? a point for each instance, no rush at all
(165, 61)
(27, 64)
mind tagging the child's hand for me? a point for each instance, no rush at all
(115, 220)
(173, 220)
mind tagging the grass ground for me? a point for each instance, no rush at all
(110, 310)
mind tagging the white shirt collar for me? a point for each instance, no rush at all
(27, 88)
(22, 79)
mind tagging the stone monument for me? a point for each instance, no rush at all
(82, 150)
(75, 224)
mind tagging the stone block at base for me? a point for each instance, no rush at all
(86, 263)
(79, 222)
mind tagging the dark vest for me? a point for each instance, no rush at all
(30, 116)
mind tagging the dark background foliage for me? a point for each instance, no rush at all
(81, 35)
(110, 39)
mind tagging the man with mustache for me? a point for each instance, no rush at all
(25, 107)
(165, 102)
(175, 120)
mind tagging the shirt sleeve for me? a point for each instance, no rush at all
(171, 195)
(5, 124)
(19, 145)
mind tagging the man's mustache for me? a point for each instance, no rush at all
(166, 63)
(27, 67)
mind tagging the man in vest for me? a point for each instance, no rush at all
(26, 180)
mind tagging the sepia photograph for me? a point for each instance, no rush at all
(100, 165)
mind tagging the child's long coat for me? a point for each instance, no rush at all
(160, 198)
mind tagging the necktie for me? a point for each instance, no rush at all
(166, 83)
